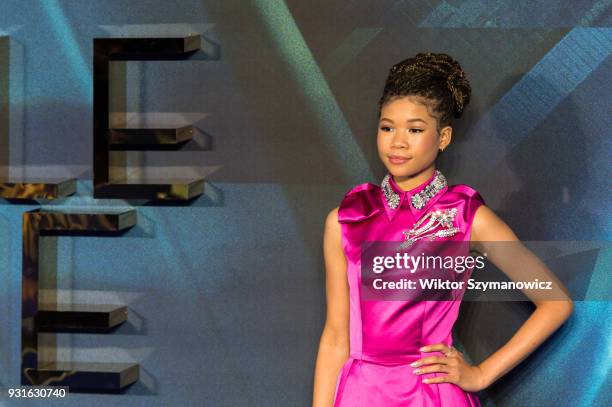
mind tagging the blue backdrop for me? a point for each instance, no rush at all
(227, 294)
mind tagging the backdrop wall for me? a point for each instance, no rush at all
(227, 294)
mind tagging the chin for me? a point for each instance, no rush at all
(398, 171)
(407, 171)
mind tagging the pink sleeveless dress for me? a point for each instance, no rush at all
(385, 336)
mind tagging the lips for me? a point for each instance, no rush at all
(398, 159)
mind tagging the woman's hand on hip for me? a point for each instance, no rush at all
(458, 371)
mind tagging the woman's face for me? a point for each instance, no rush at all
(407, 139)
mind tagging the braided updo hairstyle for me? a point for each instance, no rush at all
(435, 80)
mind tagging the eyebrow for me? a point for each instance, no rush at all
(409, 120)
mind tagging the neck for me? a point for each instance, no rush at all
(408, 182)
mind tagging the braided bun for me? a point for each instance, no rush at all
(437, 79)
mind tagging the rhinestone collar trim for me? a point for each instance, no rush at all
(418, 200)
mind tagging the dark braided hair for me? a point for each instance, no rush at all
(436, 80)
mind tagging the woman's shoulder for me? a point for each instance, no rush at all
(366, 187)
(360, 202)
(465, 191)
(471, 198)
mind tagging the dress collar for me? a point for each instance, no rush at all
(418, 199)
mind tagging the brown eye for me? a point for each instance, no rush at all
(384, 128)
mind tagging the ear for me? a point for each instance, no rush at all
(446, 134)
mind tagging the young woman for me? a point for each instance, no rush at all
(400, 353)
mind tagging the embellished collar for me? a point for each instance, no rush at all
(421, 197)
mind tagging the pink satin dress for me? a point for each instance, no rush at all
(385, 336)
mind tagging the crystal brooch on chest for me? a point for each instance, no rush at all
(418, 200)
(431, 226)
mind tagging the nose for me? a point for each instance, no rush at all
(398, 141)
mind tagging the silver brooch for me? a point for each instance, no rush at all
(425, 230)
(418, 200)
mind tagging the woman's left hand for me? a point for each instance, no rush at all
(458, 371)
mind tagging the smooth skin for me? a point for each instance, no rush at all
(408, 129)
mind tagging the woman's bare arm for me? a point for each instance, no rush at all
(334, 343)
(517, 262)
